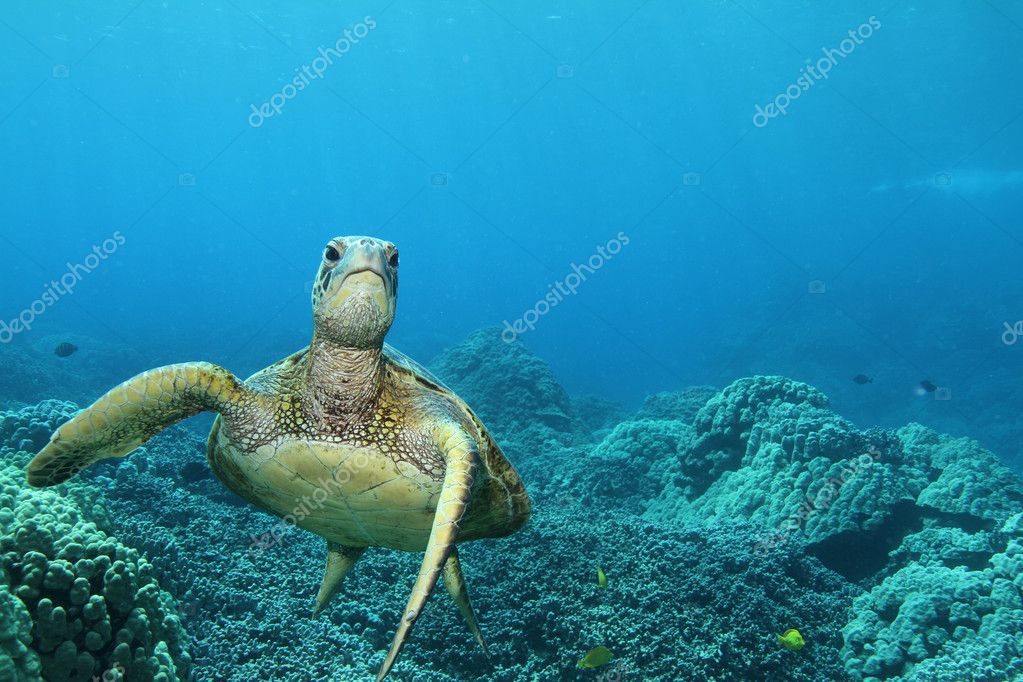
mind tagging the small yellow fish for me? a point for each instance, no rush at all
(595, 658)
(601, 578)
(791, 640)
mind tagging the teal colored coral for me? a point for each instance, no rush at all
(532, 407)
(626, 466)
(18, 662)
(932, 622)
(94, 603)
(676, 405)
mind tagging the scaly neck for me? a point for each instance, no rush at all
(342, 384)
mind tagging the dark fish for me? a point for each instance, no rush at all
(862, 379)
(65, 349)
(928, 386)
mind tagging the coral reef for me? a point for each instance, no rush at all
(720, 518)
(935, 619)
(912, 515)
(93, 602)
(624, 471)
(595, 417)
(676, 405)
(29, 429)
(768, 449)
(535, 593)
(513, 391)
(18, 662)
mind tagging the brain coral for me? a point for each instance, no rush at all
(94, 604)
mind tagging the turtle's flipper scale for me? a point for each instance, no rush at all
(462, 458)
(131, 414)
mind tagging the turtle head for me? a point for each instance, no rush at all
(355, 291)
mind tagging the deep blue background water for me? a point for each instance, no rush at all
(893, 187)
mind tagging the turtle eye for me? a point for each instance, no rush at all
(331, 255)
(393, 259)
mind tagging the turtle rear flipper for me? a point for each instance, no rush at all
(340, 560)
(132, 413)
(455, 582)
(461, 459)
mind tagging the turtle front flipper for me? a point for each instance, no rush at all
(461, 457)
(455, 582)
(132, 413)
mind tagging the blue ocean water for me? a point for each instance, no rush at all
(649, 195)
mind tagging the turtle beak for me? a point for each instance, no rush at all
(364, 259)
(363, 272)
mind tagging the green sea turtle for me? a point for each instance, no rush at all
(348, 438)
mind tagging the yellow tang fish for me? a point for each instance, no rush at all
(791, 640)
(601, 578)
(595, 658)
